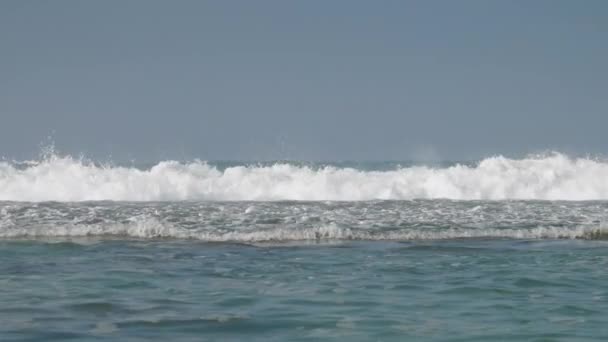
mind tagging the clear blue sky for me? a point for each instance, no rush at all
(303, 79)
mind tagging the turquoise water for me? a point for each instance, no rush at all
(93, 289)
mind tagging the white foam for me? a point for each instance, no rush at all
(553, 177)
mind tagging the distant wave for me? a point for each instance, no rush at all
(63, 178)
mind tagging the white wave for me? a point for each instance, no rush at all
(151, 228)
(553, 177)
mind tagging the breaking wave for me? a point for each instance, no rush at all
(59, 178)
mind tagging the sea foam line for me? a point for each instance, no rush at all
(152, 228)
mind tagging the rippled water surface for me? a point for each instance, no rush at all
(454, 290)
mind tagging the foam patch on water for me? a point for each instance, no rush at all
(553, 177)
(150, 228)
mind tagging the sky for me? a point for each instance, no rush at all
(308, 80)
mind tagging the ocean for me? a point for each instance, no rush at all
(494, 250)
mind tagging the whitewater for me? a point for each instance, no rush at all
(64, 178)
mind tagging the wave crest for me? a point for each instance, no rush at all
(553, 177)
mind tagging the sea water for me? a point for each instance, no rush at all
(496, 250)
